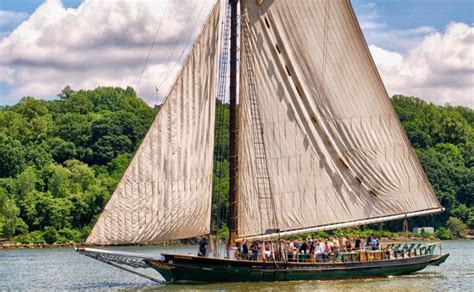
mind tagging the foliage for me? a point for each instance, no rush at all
(60, 160)
(50, 234)
(443, 137)
(32, 237)
(457, 227)
(443, 233)
(424, 234)
(10, 223)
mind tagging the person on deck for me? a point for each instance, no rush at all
(312, 246)
(202, 247)
(343, 242)
(254, 249)
(296, 245)
(318, 251)
(267, 251)
(386, 254)
(327, 251)
(304, 247)
(348, 246)
(357, 243)
(331, 244)
(245, 250)
(335, 241)
(322, 244)
(369, 239)
(362, 245)
(290, 249)
(374, 243)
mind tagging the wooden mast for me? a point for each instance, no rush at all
(232, 214)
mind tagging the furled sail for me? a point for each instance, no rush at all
(320, 143)
(165, 192)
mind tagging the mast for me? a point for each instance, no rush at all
(232, 214)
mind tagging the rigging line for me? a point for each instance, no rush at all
(220, 124)
(187, 41)
(152, 45)
(167, 69)
(264, 187)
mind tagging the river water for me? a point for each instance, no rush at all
(64, 269)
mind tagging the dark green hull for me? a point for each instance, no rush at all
(181, 268)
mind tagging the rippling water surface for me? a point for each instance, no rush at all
(63, 269)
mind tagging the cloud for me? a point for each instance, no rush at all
(106, 43)
(439, 69)
(369, 25)
(99, 43)
(379, 33)
(9, 20)
(401, 40)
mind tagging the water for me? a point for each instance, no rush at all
(64, 269)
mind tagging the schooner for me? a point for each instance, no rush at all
(316, 145)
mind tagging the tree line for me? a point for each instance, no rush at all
(60, 160)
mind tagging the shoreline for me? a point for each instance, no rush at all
(10, 245)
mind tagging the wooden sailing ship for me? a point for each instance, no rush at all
(319, 147)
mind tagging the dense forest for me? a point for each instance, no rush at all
(60, 160)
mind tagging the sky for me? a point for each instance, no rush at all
(421, 48)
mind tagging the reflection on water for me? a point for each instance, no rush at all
(61, 269)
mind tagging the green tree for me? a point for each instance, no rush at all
(62, 150)
(12, 156)
(50, 234)
(30, 108)
(443, 233)
(66, 93)
(457, 227)
(74, 127)
(59, 183)
(26, 181)
(9, 220)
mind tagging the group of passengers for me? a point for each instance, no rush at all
(314, 249)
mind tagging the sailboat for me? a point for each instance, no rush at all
(316, 145)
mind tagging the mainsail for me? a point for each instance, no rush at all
(165, 192)
(320, 143)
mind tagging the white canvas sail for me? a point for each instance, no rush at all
(334, 153)
(165, 192)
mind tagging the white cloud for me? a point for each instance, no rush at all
(401, 40)
(369, 19)
(99, 43)
(379, 33)
(106, 43)
(9, 18)
(370, 25)
(440, 69)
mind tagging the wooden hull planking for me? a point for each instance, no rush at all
(182, 268)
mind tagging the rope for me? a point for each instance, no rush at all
(152, 45)
(220, 124)
(168, 60)
(133, 272)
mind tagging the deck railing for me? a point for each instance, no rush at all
(391, 251)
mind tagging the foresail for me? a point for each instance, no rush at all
(320, 143)
(165, 192)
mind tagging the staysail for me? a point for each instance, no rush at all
(165, 192)
(320, 143)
